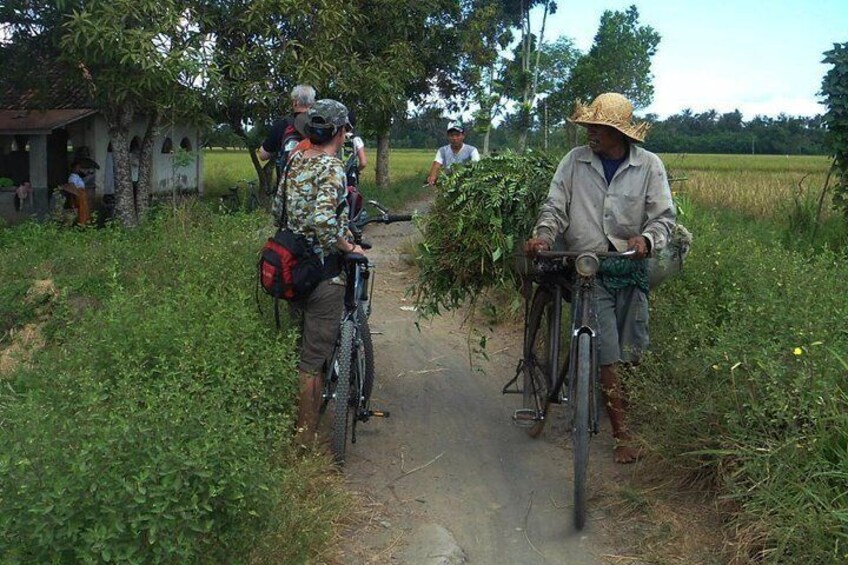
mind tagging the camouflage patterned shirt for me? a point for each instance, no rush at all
(315, 199)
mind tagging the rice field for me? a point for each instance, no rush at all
(223, 168)
(761, 186)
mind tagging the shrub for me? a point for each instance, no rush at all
(155, 426)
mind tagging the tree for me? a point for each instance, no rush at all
(402, 51)
(261, 49)
(618, 61)
(138, 58)
(835, 91)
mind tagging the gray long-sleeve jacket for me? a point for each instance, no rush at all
(590, 213)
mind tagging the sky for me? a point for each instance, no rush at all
(758, 56)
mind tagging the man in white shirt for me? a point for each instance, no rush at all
(455, 152)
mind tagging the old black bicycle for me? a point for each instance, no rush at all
(349, 378)
(546, 376)
(233, 201)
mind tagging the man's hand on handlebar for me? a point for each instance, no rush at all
(639, 244)
(533, 245)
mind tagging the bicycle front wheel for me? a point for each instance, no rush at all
(346, 381)
(580, 431)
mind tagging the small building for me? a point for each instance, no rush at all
(38, 142)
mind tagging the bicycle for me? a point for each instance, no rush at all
(570, 276)
(231, 203)
(349, 376)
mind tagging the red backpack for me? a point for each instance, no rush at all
(288, 266)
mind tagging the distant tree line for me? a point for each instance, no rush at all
(686, 132)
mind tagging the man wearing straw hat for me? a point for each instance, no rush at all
(611, 195)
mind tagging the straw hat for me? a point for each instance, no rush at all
(610, 109)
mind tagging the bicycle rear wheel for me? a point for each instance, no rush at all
(537, 381)
(346, 381)
(580, 431)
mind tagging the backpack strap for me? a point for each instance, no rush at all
(284, 220)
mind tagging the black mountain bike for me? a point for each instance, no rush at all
(349, 378)
(547, 377)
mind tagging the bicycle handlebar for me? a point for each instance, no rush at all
(598, 254)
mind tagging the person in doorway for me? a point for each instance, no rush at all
(314, 194)
(23, 195)
(75, 192)
(456, 151)
(611, 195)
(77, 175)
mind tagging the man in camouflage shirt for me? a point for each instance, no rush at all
(314, 189)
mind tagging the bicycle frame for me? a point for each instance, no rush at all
(583, 321)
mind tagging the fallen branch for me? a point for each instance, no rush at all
(402, 475)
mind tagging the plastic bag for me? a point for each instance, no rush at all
(669, 261)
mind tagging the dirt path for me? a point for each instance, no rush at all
(450, 479)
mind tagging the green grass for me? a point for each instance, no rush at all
(737, 163)
(408, 171)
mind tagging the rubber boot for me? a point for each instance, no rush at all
(308, 406)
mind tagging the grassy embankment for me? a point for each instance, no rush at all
(746, 384)
(145, 405)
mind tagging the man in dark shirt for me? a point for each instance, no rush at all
(283, 132)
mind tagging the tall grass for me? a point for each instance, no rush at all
(746, 386)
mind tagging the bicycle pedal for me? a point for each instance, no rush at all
(526, 417)
(379, 414)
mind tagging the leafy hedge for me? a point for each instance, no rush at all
(482, 214)
(155, 426)
(746, 386)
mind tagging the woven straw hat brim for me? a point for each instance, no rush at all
(585, 115)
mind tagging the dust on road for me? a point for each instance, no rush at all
(449, 478)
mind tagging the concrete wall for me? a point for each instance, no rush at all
(92, 132)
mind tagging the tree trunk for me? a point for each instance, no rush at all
(118, 123)
(145, 166)
(383, 160)
(486, 141)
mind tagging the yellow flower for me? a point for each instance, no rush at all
(798, 351)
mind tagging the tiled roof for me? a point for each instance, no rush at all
(14, 122)
(51, 87)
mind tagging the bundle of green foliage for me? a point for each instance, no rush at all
(153, 426)
(745, 387)
(482, 215)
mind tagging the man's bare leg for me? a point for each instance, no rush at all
(308, 406)
(616, 404)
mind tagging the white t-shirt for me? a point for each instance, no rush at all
(76, 180)
(447, 158)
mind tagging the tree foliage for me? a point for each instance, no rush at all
(260, 50)
(835, 91)
(402, 51)
(618, 61)
(711, 132)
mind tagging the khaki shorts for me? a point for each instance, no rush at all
(318, 318)
(622, 324)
